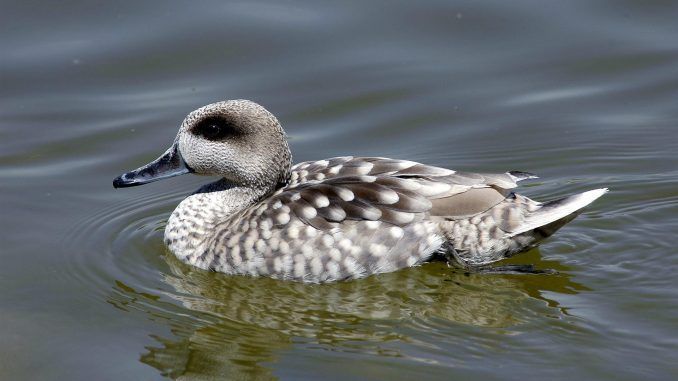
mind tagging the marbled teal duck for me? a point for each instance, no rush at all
(339, 218)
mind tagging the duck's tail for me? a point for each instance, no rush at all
(512, 226)
(552, 215)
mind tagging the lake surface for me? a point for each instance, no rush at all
(583, 93)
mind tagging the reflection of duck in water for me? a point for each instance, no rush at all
(429, 292)
(340, 218)
(234, 326)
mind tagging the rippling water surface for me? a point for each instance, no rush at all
(584, 93)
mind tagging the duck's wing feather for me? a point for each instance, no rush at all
(310, 171)
(323, 193)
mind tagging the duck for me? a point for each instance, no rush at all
(335, 219)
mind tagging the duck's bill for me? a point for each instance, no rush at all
(170, 164)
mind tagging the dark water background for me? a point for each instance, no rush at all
(584, 93)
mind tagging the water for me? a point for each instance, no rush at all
(582, 93)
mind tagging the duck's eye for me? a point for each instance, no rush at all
(215, 129)
(211, 131)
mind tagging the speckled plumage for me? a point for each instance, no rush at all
(339, 218)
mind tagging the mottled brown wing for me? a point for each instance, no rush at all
(320, 170)
(326, 203)
(389, 190)
(305, 172)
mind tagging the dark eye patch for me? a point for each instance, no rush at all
(215, 128)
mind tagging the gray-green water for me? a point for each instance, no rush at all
(583, 93)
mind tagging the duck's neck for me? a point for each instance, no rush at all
(195, 219)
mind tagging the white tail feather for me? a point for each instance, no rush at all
(555, 210)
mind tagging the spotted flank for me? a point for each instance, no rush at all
(334, 219)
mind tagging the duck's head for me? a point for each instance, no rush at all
(238, 140)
